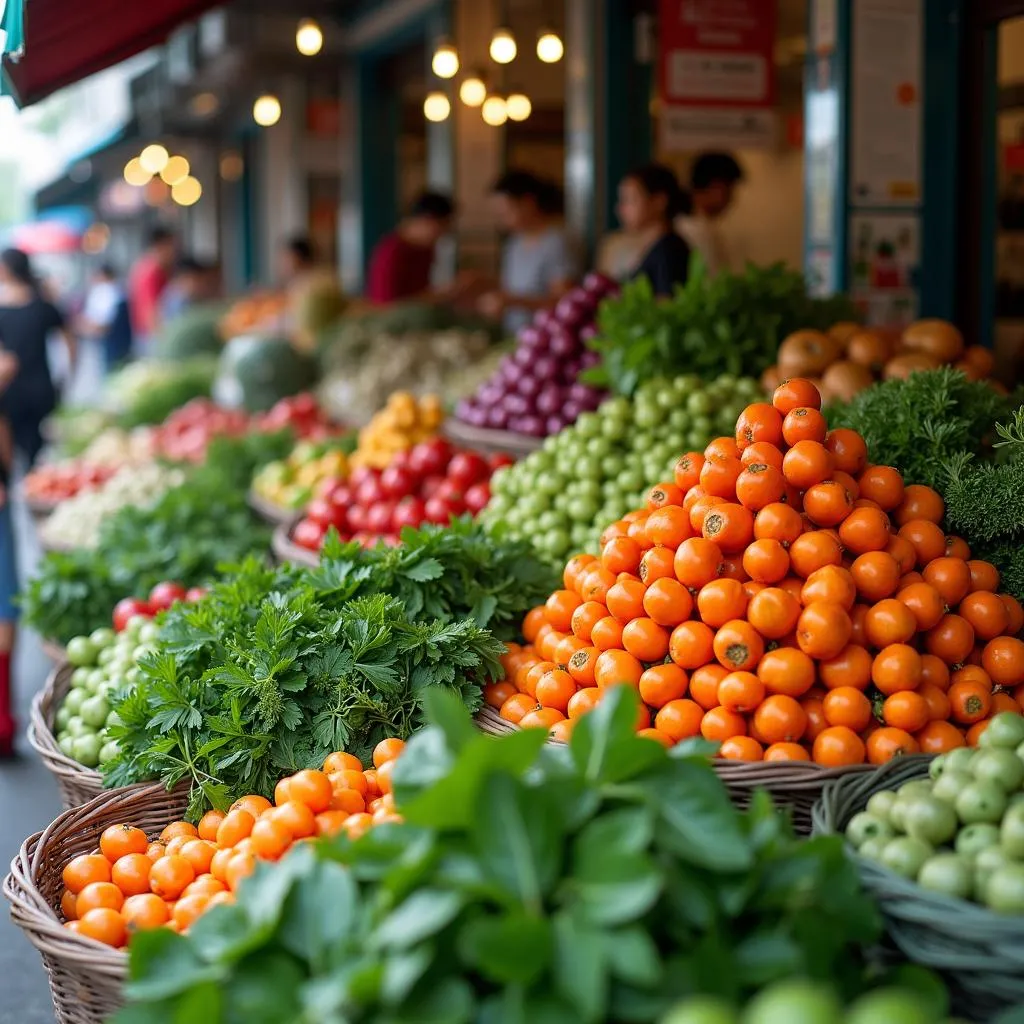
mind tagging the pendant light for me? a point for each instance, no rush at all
(309, 38)
(473, 90)
(154, 158)
(494, 111)
(445, 62)
(266, 111)
(518, 105)
(437, 107)
(503, 47)
(550, 48)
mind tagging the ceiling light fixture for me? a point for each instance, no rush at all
(503, 47)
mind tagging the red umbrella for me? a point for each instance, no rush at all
(45, 237)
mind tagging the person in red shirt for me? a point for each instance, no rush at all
(148, 280)
(401, 263)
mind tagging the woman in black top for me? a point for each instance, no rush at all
(649, 200)
(26, 320)
(8, 571)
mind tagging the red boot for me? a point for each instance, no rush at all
(8, 726)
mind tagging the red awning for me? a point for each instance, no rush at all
(68, 40)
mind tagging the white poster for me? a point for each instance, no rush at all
(885, 256)
(885, 139)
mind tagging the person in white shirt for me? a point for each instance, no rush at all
(713, 182)
(105, 317)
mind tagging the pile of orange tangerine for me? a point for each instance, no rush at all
(132, 883)
(784, 598)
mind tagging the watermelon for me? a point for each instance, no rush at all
(256, 371)
(196, 332)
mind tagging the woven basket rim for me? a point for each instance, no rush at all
(30, 909)
(40, 729)
(831, 815)
(53, 649)
(270, 513)
(286, 550)
(483, 439)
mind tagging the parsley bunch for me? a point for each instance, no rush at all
(600, 881)
(917, 425)
(727, 324)
(276, 668)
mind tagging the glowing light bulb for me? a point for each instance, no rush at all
(518, 106)
(266, 111)
(503, 47)
(187, 191)
(473, 91)
(154, 158)
(176, 169)
(445, 63)
(135, 174)
(494, 111)
(437, 107)
(309, 39)
(550, 48)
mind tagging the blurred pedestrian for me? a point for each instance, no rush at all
(295, 260)
(8, 568)
(26, 321)
(148, 281)
(106, 318)
(713, 181)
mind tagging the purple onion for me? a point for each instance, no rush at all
(599, 284)
(549, 401)
(490, 393)
(531, 337)
(543, 319)
(571, 410)
(588, 332)
(589, 359)
(508, 371)
(532, 426)
(594, 399)
(544, 368)
(579, 392)
(571, 370)
(523, 356)
(528, 385)
(477, 417)
(464, 409)
(515, 405)
(563, 344)
(555, 424)
(497, 418)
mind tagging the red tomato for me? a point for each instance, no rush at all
(440, 510)
(477, 497)
(397, 482)
(429, 458)
(357, 518)
(430, 486)
(326, 513)
(370, 492)
(467, 468)
(380, 516)
(127, 608)
(308, 534)
(338, 493)
(408, 512)
(499, 460)
(361, 474)
(195, 593)
(163, 595)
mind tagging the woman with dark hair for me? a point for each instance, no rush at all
(8, 569)
(649, 199)
(537, 266)
(26, 320)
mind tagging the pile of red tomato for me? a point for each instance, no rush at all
(50, 485)
(185, 434)
(429, 483)
(162, 596)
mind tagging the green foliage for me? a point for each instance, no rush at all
(985, 503)
(196, 332)
(148, 392)
(596, 882)
(732, 323)
(918, 424)
(184, 536)
(276, 668)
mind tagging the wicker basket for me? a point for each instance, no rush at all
(269, 512)
(796, 785)
(53, 649)
(286, 550)
(77, 784)
(86, 977)
(980, 954)
(490, 442)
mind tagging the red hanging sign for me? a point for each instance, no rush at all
(717, 72)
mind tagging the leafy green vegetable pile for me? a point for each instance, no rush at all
(732, 323)
(985, 503)
(148, 392)
(276, 668)
(185, 536)
(918, 424)
(600, 881)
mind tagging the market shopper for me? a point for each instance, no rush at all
(538, 265)
(8, 567)
(295, 260)
(148, 281)
(713, 181)
(106, 318)
(402, 262)
(26, 322)
(649, 200)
